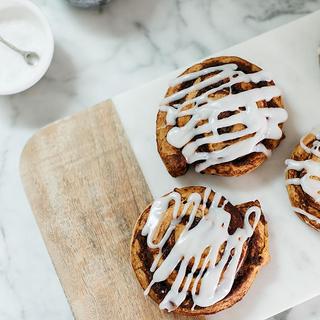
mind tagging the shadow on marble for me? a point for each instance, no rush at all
(49, 99)
(281, 316)
(118, 17)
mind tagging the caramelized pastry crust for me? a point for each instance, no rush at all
(303, 179)
(195, 89)
(254, 252)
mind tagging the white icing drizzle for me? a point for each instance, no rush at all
(315, 149)
(308, 183)
(308, 215)
(210, 233)
(262, 122)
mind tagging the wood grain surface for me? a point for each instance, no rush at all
(86, 191)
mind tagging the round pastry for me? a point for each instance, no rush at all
(224, 115)
(303, 179)
(195, 253)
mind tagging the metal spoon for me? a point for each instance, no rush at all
(30, 57)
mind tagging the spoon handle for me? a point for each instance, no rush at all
(11, 46)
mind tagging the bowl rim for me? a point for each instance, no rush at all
(34, 9)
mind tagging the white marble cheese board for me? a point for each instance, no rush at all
(289, 53)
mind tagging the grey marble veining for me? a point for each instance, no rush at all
(97, 55)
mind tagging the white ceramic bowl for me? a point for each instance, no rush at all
(38, 38)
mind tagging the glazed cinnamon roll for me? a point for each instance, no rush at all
(303, 179)
(195, 253)
(223, 115)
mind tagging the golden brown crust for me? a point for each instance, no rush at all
(255, 254)
(297, 196)
(172, 157)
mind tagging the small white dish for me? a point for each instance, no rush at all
(24, 25)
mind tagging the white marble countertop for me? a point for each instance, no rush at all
(98, 55)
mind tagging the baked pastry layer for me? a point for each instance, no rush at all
(224, 115)
(303, 179)
(159, 265)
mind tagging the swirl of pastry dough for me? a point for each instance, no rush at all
(303, 178)
(193, 252)
(224, 115)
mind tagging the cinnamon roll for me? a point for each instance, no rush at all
(224, 115)
(195, 253)
(303, 179)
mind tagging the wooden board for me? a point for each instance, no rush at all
(86, 191)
